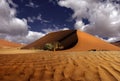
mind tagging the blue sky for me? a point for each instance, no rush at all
(50, 14)
(25, 21)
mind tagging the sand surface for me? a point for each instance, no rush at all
(61, 66)
(18, 51)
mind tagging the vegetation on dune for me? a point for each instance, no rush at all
(48, 46)
(53, 46)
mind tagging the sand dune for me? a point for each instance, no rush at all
(61, 66)
(88, 42)
(73, 40)
(53, 37)
(67, 65)
(7, 44)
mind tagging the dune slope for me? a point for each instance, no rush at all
(89, 42)
(60, 36)
(73, 40)
(116, 43)
(7, 44)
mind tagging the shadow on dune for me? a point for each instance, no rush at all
(72, 40)
(67, 38)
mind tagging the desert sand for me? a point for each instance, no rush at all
(61, 66)
(17, 51)
(73, 64)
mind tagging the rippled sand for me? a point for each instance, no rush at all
(61, 66)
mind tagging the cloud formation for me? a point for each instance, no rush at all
(10, 23)
(103, 15)
(13, 28)
(30, 37)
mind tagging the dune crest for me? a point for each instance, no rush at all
(73, 40)
(89, 42)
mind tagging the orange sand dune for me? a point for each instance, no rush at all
(88, 42)
(61, 66)
(7, 44)
(73, 40)
(52, 37)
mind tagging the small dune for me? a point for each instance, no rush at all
(61, 66)
(8, 44)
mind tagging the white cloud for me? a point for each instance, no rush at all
(30, 37)
(29, 19)
(114, 39)
(9, 23)
(53, 30)
(39, 18)
(13, 28)
(79, 24)
(31, 4)
(104, 17)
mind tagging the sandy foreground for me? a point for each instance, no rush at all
(18, 51)
(59, 66)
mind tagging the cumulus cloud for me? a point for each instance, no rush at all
(8, 21)
(103, 16)
(30, 37)
(13, 28)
